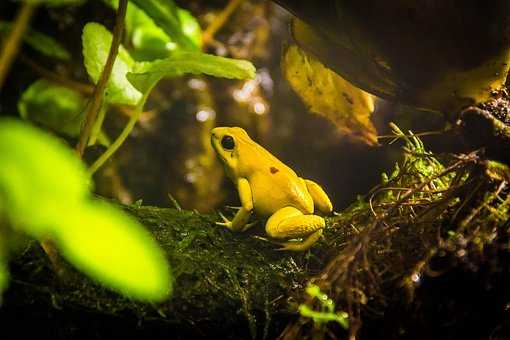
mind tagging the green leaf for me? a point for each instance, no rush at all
(38, 174)
(40, 42)
(55, 107)
(190, 27)
(96, 40)
(44, 193)
(114, 249)
(177, 23)
(144, 75)
(148, 39)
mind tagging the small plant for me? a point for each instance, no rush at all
(327, 311)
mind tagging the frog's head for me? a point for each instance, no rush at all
(229, 143)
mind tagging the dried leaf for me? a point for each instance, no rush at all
(329, 95)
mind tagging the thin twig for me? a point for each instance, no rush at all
(219, 21)
(10, 45)
(97, 99)
(420, 134)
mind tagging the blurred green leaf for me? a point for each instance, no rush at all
(96, 40)
(37, 175)
(327, 312)
(181, 26)
(55, 107)
(44, 193)
(148, 39)
(113, 248)
(40, 42)
(144, 75)
(324, 317)
(190, 26)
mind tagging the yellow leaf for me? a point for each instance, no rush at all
(329, 95)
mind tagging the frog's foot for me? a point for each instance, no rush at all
(266, 239)
(237, 224)
(293, 245)
(226, 222)
(290, 223)
(306, 244)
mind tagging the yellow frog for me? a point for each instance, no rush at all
(270, 188)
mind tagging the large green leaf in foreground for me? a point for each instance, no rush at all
(44, 193)
(113, 248)
(38, 176)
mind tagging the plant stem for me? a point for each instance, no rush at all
(10, 45)
(97, 125)
(123, 135)
(97, 99)
(136, 113)
(117, 143)
(219, 21)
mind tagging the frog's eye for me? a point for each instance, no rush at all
(227, 142)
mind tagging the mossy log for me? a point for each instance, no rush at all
(227, 284)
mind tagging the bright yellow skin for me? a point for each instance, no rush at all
(271, 189)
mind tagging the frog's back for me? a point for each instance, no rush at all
(274, 185)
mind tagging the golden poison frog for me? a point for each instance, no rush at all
(271, 189)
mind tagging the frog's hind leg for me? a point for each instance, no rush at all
(321, 200)
(289, 223)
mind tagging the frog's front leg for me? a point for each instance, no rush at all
(289, 223)
(240, 220)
